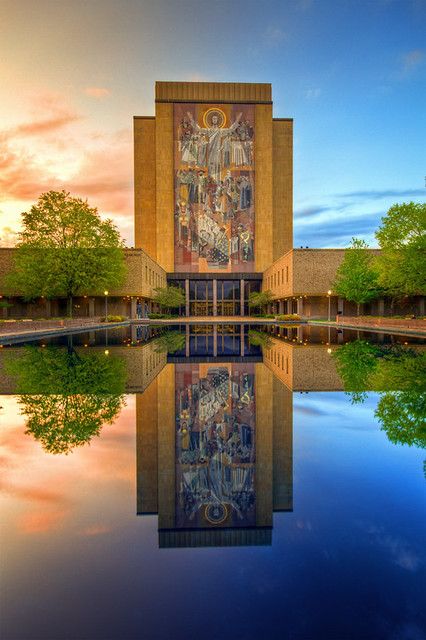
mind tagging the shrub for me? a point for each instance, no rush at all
(161, 316)
(262, 315)
(288, 317)
(113, 318)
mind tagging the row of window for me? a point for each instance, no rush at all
(276, 279)
(200, 290)
(153, 278)
(277, 359)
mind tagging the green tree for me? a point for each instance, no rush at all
(259, 338)
(399, 375)
(67, 397)
(356, 279)
(402, 416)
(169, 297)
(356, 362)
(402, 238)
(65, 249)
(169, 342)
(260, 299)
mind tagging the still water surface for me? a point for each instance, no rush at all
(214, 483)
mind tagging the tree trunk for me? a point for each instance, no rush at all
(357, 308)
(70, 306)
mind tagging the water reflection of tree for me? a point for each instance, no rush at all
(169, 342)
(399, 375)
(259, 338)
(67, 396)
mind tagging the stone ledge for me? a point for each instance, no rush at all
(382, 323)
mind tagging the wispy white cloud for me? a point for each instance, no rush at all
(313, 93)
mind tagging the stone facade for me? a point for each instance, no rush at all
(154, 168)
(143, 275)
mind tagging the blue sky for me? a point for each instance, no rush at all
(352, 74)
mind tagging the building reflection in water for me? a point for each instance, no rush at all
(214, 453)
(214, 419)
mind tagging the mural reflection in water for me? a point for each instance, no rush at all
(215, 445)
(215, 463)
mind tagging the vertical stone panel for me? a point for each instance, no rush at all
(166, 448)
(164, 185)
(264, 429)
(144, 177)
(283, 447)
(147, 449)
(282, 159)
(263, 191)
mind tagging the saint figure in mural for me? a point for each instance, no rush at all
(217, 138)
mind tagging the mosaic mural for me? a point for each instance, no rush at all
(215, 445)
(214, 187)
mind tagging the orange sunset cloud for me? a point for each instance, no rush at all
(97, 92)
(57, 148)
(64, 489)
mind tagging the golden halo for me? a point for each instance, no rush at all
(214, 111)
(216, 513)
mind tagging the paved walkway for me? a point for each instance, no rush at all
(25, 335)
(417, 332)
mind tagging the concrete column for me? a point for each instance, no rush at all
(215, 299)
(340, 305)
(242, 341)
(133, 332)
(187, 340)
(133, 308)
(381, 307)
(187, 297)
(91, 307)
(300, 306)
(215, 339)
(340, 337)
(242, 297)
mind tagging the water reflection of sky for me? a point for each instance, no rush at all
(348, 562)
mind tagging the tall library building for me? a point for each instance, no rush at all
(213, 190)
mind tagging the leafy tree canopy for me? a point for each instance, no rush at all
(67, 397)
(402, 237)
(260, 299)
(169, 297)
(66, 249)
(356, 361)
(402, 416)
(356, 278)
(169, 342)
(259, 338)
(399, 375)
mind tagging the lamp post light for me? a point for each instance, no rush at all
(329, 303)
(106, 305)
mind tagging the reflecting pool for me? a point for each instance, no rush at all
(212, 482)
